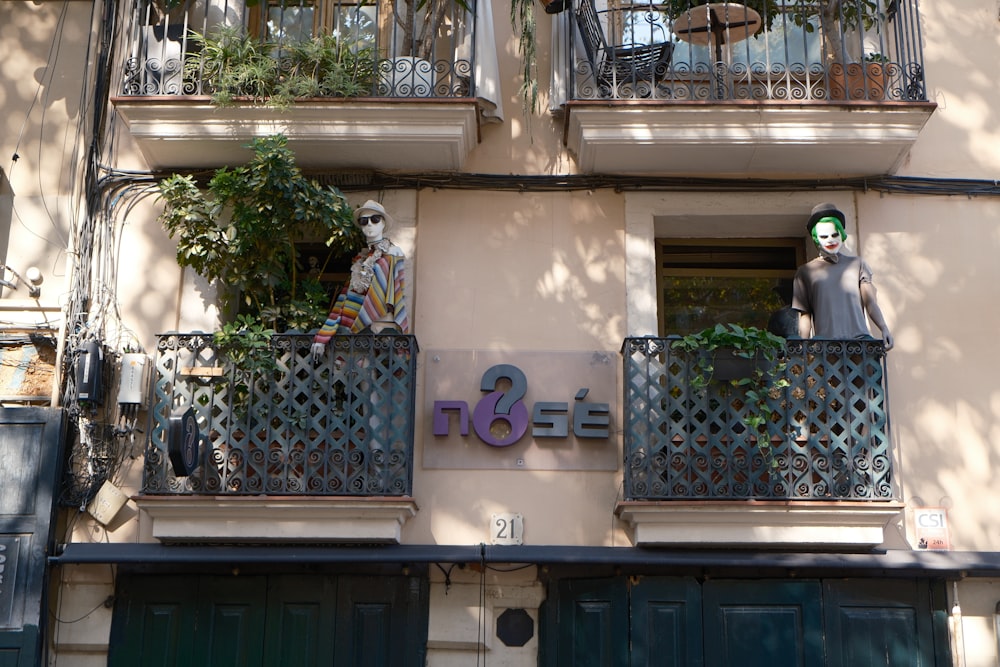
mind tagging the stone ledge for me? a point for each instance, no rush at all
(277, 519)
(175, 132)
(834, 525)
(711, 139)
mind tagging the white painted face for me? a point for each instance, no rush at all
(829, 237)
(372, 225)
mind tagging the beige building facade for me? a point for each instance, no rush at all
(536, 243)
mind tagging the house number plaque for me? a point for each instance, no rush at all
(507, 528)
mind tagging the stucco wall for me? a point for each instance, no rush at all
(937, 279)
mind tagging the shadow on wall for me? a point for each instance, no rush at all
(944, 401)
(967, 115)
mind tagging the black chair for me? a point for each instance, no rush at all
(614, 66)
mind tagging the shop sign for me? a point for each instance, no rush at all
(931, 528)
(532, 410)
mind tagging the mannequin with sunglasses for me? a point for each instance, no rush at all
(373, 299)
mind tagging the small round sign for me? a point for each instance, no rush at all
(183, 441)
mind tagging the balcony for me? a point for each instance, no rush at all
(793, 89)
(302, 449)
(394, 100)
(695, 472)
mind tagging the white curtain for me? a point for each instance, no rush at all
(487, 69)
(561, 25)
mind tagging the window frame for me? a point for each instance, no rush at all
(664, 271)
(710, 214)
(324, 15)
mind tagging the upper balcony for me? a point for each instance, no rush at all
(770, 88)
(383, 84)
(321, 446)
(806, 460)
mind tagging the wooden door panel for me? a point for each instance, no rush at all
(301, 621)
(879, 623)
(765, 623)
(231, 621)
(666, 623)
(154, 622)
(593, 622)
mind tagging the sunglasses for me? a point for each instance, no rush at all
(369, 219)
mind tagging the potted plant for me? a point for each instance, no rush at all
(833, 17)
(233, 64)
(835, 20)
(522, 21)
(860, 81)
(240, 233)
(736, 357)
(554, 6)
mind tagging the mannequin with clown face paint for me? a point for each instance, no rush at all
(373, 299)
(834, 292)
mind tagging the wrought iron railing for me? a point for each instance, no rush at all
(786, 50)
(340, 424)
(398, 48)
(826, 435)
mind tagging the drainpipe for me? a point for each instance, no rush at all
(957, 634)
(996, 625)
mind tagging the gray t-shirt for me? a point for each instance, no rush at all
(831, 293)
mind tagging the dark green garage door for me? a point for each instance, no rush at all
(681, 622)
(31, 441)
(269, 621)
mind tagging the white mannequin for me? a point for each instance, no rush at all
(829, 239)
(371, 218)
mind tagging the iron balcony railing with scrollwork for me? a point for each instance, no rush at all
(781, 50)
(825, 438)
(287, 423)
(383, 49)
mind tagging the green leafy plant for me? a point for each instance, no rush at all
(836, 17)
(240, 233)
(525, 26)
(245, 346)
(325, 66)
(233, 64)
(765, 376)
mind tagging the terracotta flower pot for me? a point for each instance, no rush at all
(554, 6)
(729, 366)
(861, 81)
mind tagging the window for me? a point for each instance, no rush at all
(724, 219)
(702, 282)
(634, 22)
(297, 20)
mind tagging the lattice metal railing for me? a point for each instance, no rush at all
(338, 425)
(827, 431)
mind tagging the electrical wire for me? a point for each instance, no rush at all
(526, 183)
(103, 431)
